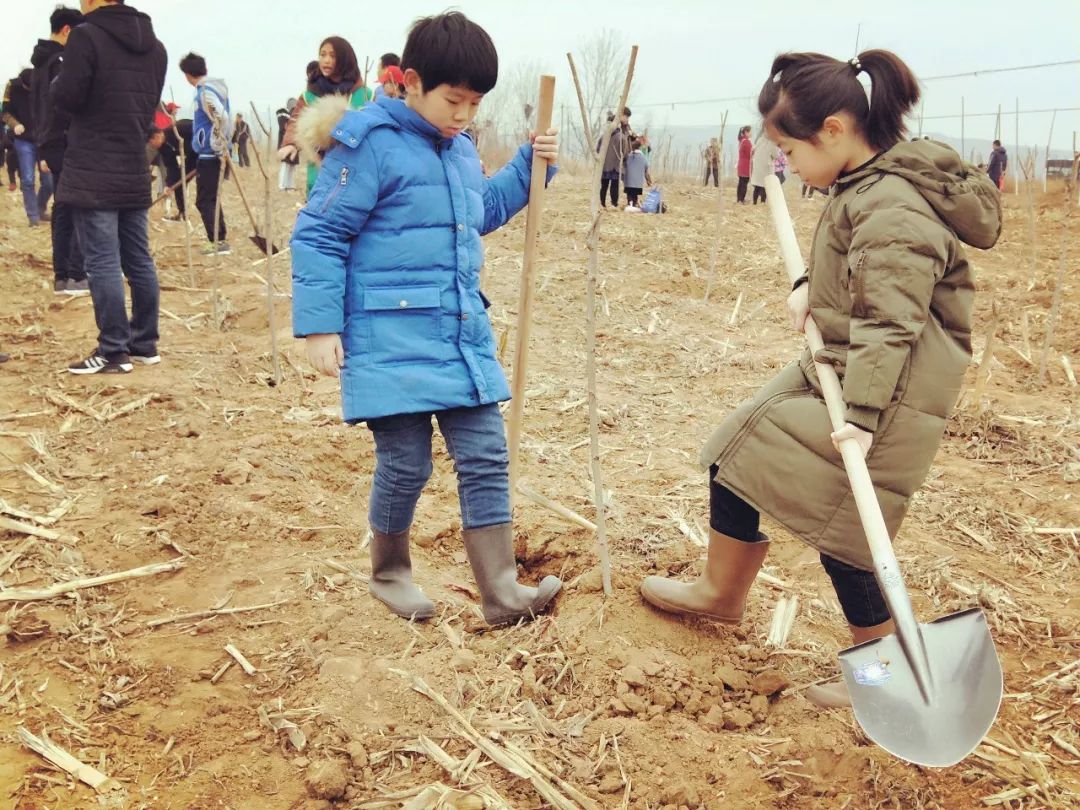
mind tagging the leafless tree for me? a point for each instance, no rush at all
(602, 62)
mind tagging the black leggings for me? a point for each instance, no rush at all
(759, 193)
(740, 192)
(614, 184)
(858, 591)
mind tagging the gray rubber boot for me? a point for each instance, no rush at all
(505, 601)
(391, 577)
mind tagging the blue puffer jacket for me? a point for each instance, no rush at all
(387, 253)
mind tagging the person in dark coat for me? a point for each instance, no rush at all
(113, 74)
(241, 137)
(999, 162)
(50, 139)
(19, 117)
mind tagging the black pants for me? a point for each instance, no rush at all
(66, 253)
(759, 194)
(242, 153)
(613, 184)
(206, 194)
(171, 160)
(11, 160)
(740, 192)
(633, 196)
(714, 170)
(858, 591)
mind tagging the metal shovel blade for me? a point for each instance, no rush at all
(260, 242)
(965, 692)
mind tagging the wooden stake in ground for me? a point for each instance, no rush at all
(214, 286)
(184, 213)
(987, 359)
(269, 228)
(590, 317)
(714, 253)
(524, 324)
(1055, 306)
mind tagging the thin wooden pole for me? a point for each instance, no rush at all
(214, 308)
(1046, 165)
(997, 125)
(538, 183)
(187, 200)
(1059, 284)
(268, 229)
(922, 108)
(590, 324)
(1016, 165)
(963, 141)
(715, 252)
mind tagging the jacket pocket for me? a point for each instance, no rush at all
(403, 323)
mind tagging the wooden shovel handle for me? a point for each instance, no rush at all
(240, 188)
(537, 186)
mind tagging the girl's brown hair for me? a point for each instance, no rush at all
(804, 89)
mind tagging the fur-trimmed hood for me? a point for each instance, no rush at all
(316, 123)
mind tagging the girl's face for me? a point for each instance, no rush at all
(327, 60)
(835, 149)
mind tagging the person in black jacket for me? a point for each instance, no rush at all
(113, 74)
(50, 139)
(19, 116)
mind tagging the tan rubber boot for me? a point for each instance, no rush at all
(835, 695)
(720, 592)
(504, 599)
(391, 577)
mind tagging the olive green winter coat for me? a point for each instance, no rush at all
(892, 291)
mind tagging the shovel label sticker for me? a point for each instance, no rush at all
(875, 673)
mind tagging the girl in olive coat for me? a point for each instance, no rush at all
(891, 289)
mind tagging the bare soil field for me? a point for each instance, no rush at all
(255, 493)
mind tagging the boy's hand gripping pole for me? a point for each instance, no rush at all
(532, 230)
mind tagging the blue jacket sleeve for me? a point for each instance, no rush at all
(344, 195)
(508, 191)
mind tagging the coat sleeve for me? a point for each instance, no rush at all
(344, 195)
(9, 119)
(898, 254)
(290, 127)
(508, 191)
(71, 88)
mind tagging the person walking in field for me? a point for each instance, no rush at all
(761, 166)
(19, 117)
(746, 149)
(892, 291)
(337, 73)
(211, 137)
(712, 162)
(999, 163)
(386, 260)
(110, 83)
(241, 137)
(50, 141)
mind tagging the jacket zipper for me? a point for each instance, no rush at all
(751, 421)
(858, 282)
(342, 183)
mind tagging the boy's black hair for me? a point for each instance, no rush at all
(390, 60)
(63, 17)
(193, 65)
(451, 49)
(626, 111)
(997, 143)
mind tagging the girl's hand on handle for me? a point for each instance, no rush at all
(798, 304)
(546, 146)
(849, 431)
(326, 354)
(287, 152)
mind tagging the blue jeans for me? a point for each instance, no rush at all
(115, 245)
(35, 202)
(476, 440)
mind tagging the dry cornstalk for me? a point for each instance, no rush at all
(62, 759)
(12, 556)
(1065, 364)
(983, 374)
(205, 614)
(782, 621)
(590, 317)
(553, 506)
(514, 763)
(7, 524)
(239, 658)
(60, 588)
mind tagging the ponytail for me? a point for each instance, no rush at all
(804, 89)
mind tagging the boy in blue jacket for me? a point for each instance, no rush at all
(386, 262)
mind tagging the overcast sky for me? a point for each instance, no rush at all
(690, 49)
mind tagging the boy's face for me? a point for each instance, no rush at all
(449, 108)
